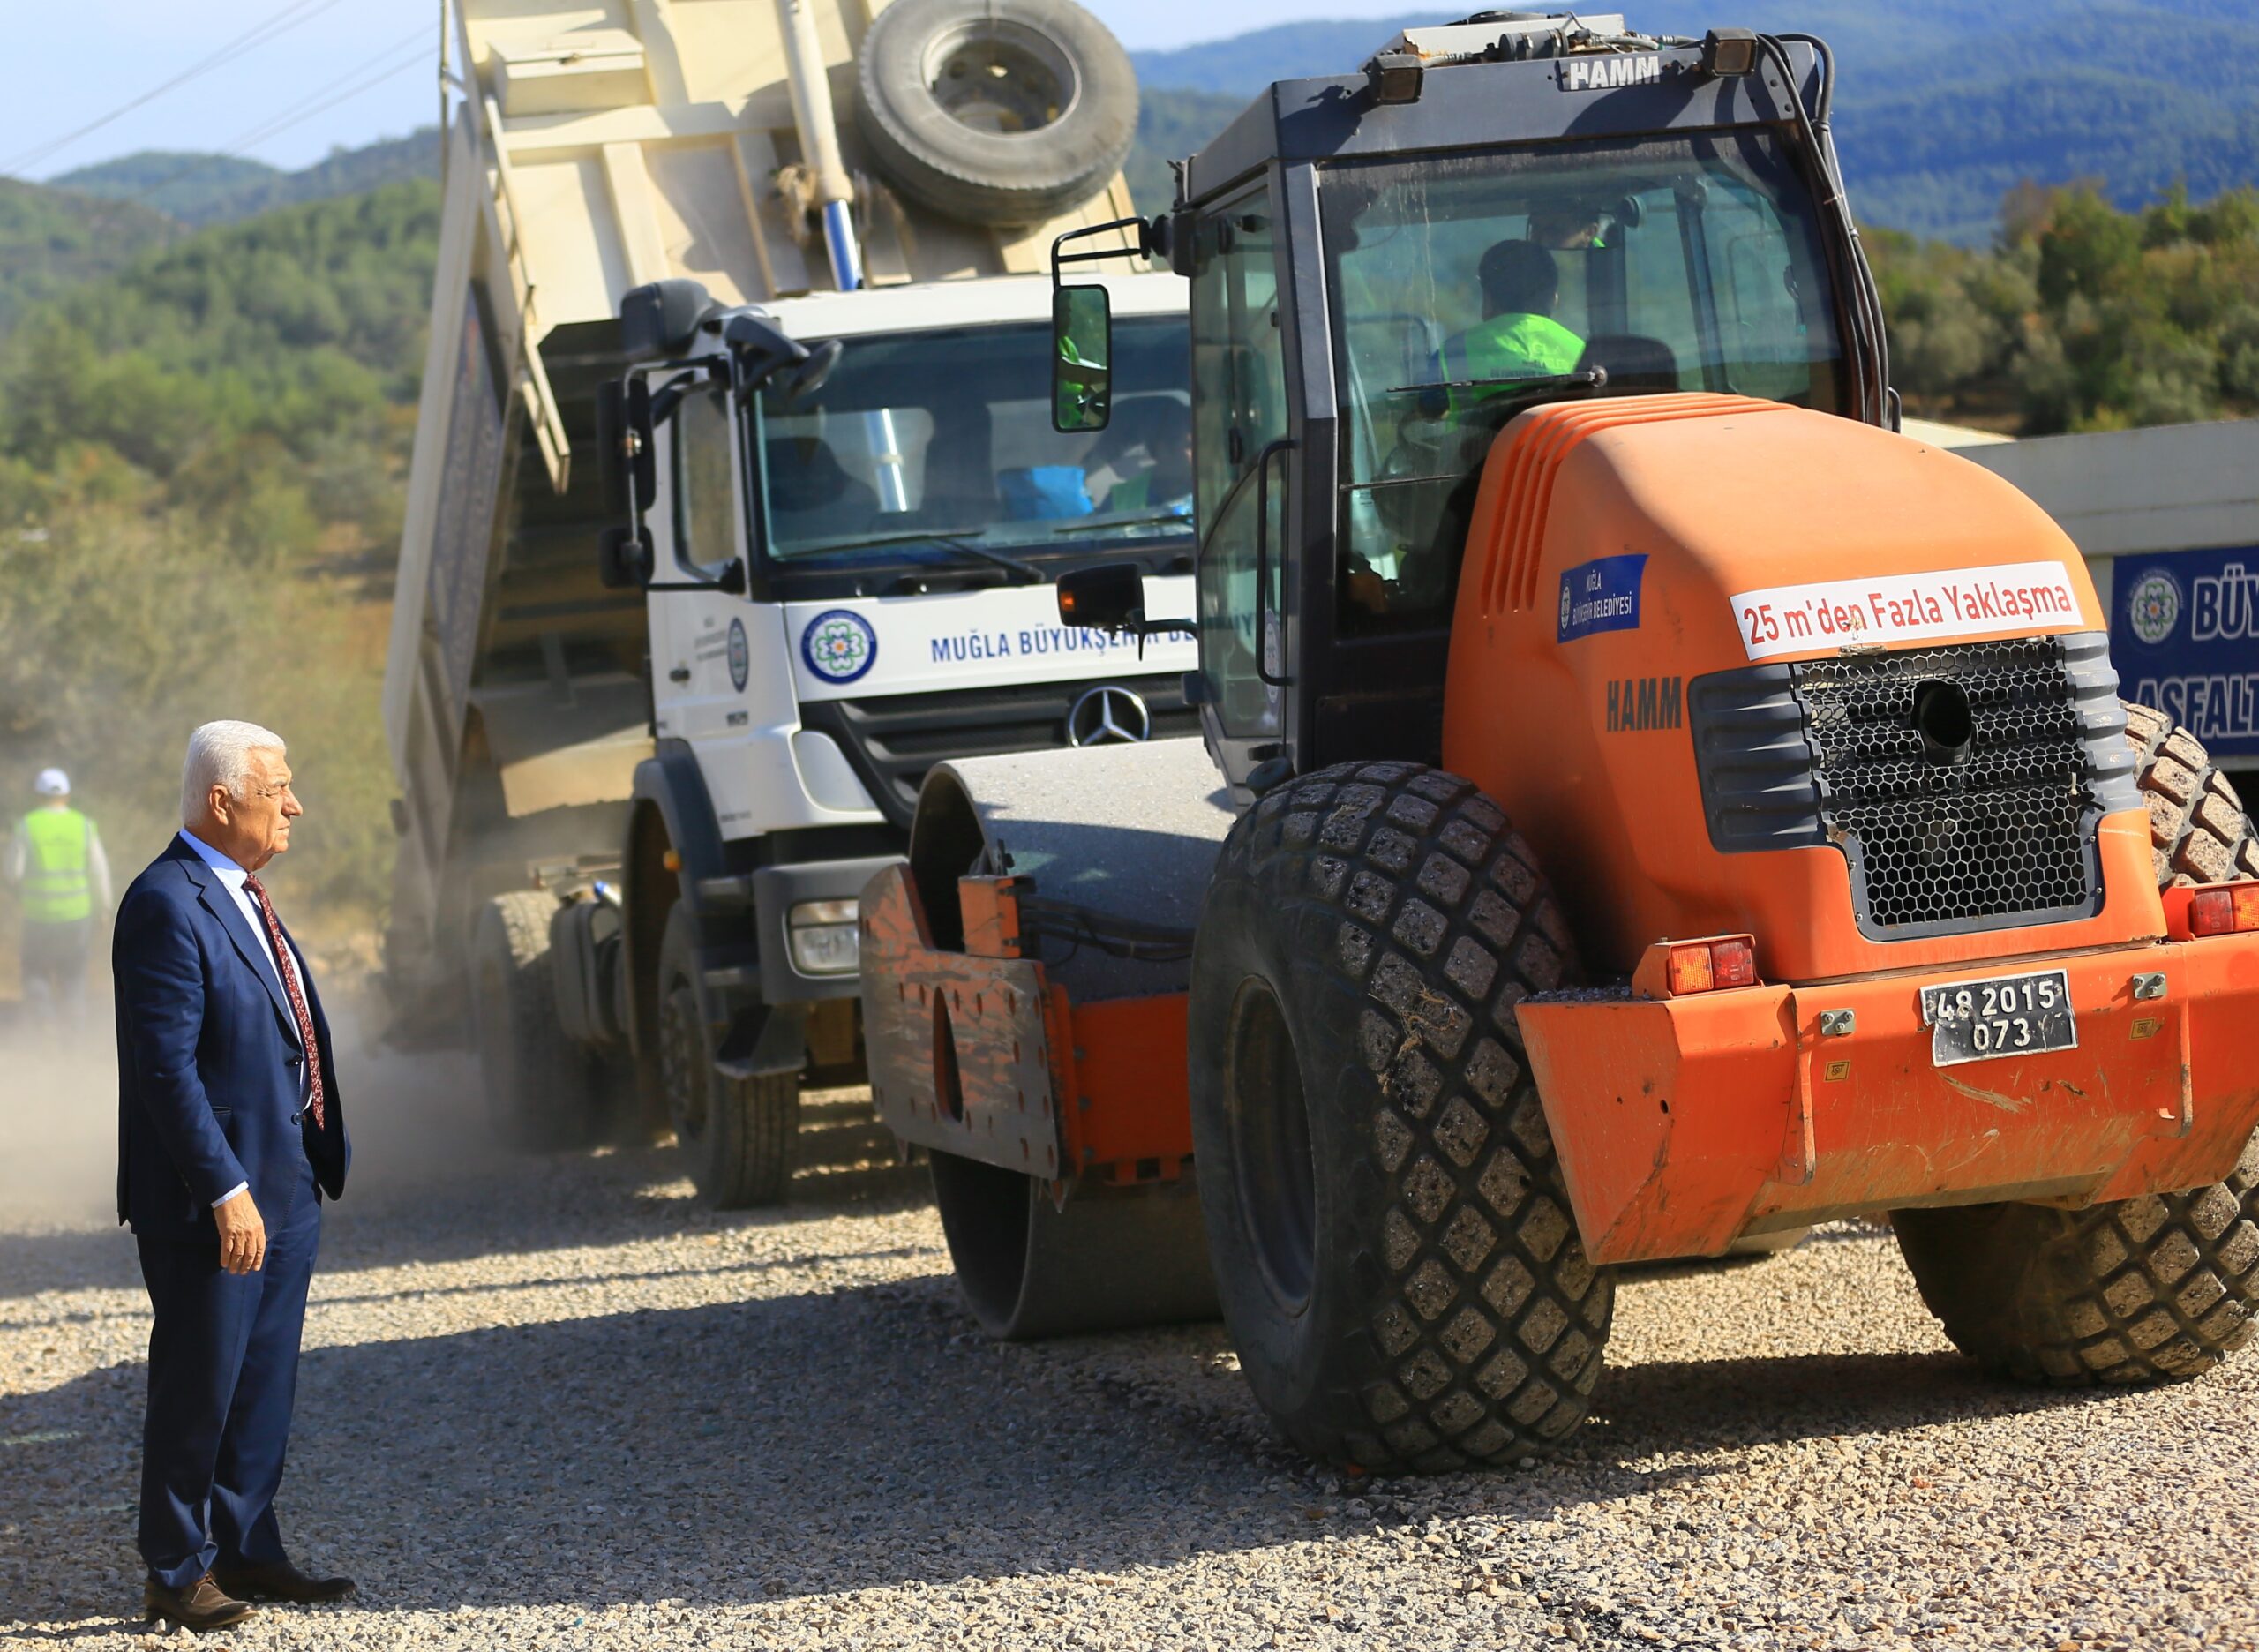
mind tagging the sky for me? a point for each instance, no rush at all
(298, 78)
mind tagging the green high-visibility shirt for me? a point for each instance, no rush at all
(58, 882)
(1517, 345)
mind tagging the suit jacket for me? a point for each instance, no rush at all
(211, 1076)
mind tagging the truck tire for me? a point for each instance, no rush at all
(2139, 1290)
(736, 1135)
(1004, 112)
(1393, 1248)
(543, 1091)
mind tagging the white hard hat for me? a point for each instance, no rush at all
(52, 783)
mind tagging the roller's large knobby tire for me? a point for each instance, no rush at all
(736, 1135)
(2198, 827)
(2145, 1289)
(541, 1090)
(1004, 112)
(1394, 1252)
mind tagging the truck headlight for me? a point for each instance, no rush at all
(826, 937)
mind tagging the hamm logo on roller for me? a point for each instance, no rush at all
(1601, 596)
(1636, 704)
(1606, 73)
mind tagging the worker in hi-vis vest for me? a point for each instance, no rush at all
(62, 882)
(1518, 337)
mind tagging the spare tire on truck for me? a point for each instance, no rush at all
(2140, 1290)
(995, 111)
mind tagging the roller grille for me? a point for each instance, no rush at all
(2007, 833)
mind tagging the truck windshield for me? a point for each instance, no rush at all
(930, 447)
(1465, 289)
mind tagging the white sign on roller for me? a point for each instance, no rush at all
(1893, 608)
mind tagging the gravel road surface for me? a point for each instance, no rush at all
(548, 1402)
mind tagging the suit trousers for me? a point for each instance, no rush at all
(223, 1375)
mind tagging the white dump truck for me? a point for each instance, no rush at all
(736, 501)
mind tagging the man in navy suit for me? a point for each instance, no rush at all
(230, 1134)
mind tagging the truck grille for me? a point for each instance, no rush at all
(1829, 751)
(893, 739)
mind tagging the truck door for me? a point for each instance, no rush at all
(699, 645)
(1242, 475)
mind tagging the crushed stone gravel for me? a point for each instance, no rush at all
(548, 1402)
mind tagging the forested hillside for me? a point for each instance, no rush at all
(51, 242)
(1944, 107)
(2081, 316)
(206, 189)
(201, 462)
(1170, 126)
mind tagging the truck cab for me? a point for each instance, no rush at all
(848, 533)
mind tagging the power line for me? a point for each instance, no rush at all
(417, 46)
(280, 23)
(318, 102)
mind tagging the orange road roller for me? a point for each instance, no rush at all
(1647, 805)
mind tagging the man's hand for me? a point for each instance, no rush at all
(243, 1235)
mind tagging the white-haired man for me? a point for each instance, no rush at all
(62, 879)
(231, 1133)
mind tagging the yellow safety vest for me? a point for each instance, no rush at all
(56, 889)
(1507, 347)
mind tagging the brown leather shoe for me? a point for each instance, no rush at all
(202, 1605)
(280, 1580)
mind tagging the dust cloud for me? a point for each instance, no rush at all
(415, 1118)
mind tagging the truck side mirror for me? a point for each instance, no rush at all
(813, 372)
(1109, 598)
(1082, 359)
(661, 318)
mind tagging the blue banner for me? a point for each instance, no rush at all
(1601, 595)
(2184, 636)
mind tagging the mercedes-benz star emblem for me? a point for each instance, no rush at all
(1107, 716)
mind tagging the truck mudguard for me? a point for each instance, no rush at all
(670, 781)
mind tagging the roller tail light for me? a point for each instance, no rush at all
(1678, 969)
(2194, 911)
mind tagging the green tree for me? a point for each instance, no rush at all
(2081, 316)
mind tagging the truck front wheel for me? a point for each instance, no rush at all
(736, 1135)
(1393, 1244)
(2140, 1290)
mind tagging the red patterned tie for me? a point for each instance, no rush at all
(297, 995)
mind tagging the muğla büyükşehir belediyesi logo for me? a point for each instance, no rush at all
(2153, 608)
(839, 645)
